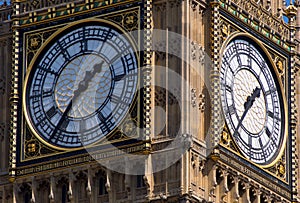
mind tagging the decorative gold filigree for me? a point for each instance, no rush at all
(35, 3)
(225, 137)
(280, 168)
(264, 15)
(129, 128)
(225, 30)
(128, 20)
(291, 11)
(34, 41)
(32, 148)
(280, 67)
(247, 5)
(259, 14)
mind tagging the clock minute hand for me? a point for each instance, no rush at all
(82, 86)
(248, 104)
(61, 120)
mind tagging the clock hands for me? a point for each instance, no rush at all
(250, 99)
(247, 105)
(82, 86)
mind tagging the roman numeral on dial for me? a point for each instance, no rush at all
(51, 112)
(231, 110)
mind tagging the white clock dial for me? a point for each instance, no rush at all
(82, 85)
(251, 101)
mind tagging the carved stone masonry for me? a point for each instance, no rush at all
(199, 5)
(2, 131)
(174, 3)
(197, 52)
(263, 14)
(2, 85)
(71, 186)
(199, 100)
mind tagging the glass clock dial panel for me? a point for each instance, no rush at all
(251, 101)
(82, 85)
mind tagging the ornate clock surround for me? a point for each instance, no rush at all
(282, 98)
(31, 154)
(84, 62)
(277, 175)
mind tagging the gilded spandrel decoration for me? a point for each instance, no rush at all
(278, 169)
(281, 169)
(34, 41)
(280, 64)
(226, 139)
(128, 20)
(281, 71)
(33, 148)
(130, 127)
(226, 29)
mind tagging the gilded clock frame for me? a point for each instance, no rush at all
(31, 66)
(282, 94)
(118, 19)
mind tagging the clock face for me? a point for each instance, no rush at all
(252, 102)
(81, 85)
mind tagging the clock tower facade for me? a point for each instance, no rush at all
(149, 101)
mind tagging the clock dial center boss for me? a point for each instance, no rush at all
(81, 89)
(252, 101)
(81, 85)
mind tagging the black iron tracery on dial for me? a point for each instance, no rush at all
(252, 101)
(82, 85)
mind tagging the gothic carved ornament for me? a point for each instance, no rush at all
(259, 19)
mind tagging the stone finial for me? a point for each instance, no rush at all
(291, 11)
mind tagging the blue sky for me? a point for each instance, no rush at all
(1, 2)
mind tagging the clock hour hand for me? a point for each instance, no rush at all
(247, 105)
(82, 86)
